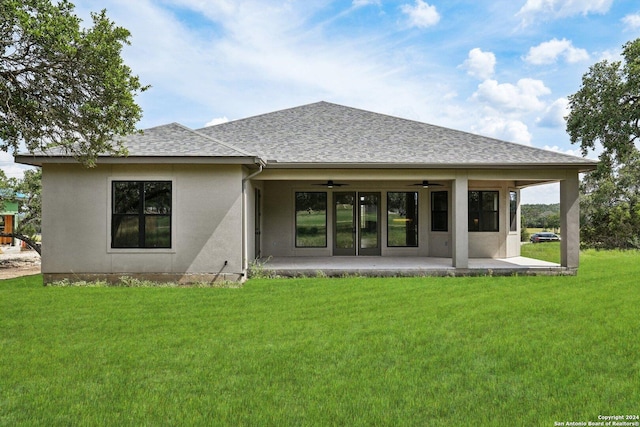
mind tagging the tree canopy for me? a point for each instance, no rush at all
(605, 116)
(62, 86)
(541, 216)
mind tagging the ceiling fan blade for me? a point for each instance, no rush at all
(331, 184)
(425, 184)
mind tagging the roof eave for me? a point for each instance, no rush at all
(237, 160)
(34, 160)
(585, 166)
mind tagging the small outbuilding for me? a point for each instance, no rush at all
(8, 220)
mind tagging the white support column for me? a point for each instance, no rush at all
(460, 217)
(570, 220)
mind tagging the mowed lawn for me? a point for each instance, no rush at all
(355, 351)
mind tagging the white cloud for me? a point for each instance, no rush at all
(524, 96)
(557, 149)
(610, 55)
(480, 64)
(238, 58)
(554, 115)
(216, 121)
(632, 21)
(549, 52)
(422, 15)
(249, 57)
(10, 167)
(505, 129)
(561, 8)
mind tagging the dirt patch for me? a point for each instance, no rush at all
(16, 263)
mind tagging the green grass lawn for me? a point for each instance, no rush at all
(547, 251)
(406, 351)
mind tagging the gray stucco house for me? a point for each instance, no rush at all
(320, 181)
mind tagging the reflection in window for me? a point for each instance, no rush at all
(311, 219)
(513, 211)
(141, 214)
(483, 210)
(402, 219)
(439, 211)
(344, 220)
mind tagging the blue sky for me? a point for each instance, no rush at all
(501, 68)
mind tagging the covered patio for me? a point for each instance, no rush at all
(375, 266)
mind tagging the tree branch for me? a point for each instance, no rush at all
(31, 243)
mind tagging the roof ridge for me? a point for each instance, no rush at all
(269, 113)
(217, 141)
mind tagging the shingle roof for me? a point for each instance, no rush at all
(324, 133)
(175, 139)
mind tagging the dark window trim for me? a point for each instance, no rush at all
(326, 215)
(446, 212)
(417, 230)
(141, 215)
(481, 213)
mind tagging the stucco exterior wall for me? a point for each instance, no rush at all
(206, 222)
(277, 220)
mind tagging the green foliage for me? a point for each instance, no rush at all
(606, 110)
(30, 187)
(132, 282)
(27, 193)
(541, 215)
(524, 234)
(605, 113)
(257, 270)
(610, 207)
(63, 86)
(7, 187)
(354, 351)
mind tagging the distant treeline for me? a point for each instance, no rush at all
(541, 216)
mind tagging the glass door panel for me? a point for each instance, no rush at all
(369, 223)
(344, 224)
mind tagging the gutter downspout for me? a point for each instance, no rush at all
(245, 217)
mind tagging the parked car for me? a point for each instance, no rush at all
(544, 237)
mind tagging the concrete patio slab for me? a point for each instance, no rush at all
(406, 266)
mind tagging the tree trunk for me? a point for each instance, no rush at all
(32, 244)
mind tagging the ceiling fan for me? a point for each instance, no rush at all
(331, 184)
(427, 184)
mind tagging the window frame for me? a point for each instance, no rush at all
(416, 195)
(295, 219)
(141, 216)
(446, 211)
(513, 212)
(482, 213)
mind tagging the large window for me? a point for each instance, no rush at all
(141, 214)
(402, 219)
(483, 210)
(439, 211)
(311, 219)
(513, 211)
